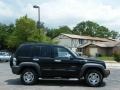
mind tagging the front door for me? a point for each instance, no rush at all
(64, 63)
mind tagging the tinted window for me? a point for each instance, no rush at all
(36, 51)
(42, 51)
(45, 51)
(24, 51)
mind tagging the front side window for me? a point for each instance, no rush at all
(60, 52)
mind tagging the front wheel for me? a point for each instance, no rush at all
(93, 78)
(6, 60)
(29, 77)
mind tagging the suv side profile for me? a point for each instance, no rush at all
(33, 61)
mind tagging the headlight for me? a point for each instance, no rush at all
(14, 61)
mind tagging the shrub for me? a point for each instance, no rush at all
(117, 56)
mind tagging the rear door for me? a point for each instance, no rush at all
(43, 55)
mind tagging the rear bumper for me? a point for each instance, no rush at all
(16, 70)
(106, 73)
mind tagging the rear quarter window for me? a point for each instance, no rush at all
(24, 51)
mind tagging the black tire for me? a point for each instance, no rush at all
(90, 81)
(34, 77)
(6, 60)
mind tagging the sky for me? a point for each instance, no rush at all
(55, 13)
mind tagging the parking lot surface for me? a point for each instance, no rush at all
(9, 81)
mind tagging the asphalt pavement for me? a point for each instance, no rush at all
(9, 81)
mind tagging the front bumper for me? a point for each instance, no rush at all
(106, 73)
(16, 70)
(4, 59)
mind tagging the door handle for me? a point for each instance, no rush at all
(57, 60)
(35, 59)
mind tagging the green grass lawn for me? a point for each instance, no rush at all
(105, 58)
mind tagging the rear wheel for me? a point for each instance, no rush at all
(29, 77)
(93, 78)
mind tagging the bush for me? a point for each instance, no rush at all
(106, 58)
(117, 56)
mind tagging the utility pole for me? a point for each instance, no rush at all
(38, 22)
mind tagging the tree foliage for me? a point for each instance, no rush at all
(4, 32)
(26, 31)
(114, 34)
(93, 29)
(55, 32)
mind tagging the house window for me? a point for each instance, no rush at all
(81, 41)
(80, 50)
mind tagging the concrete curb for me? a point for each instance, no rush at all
(113, 65)
(110, 62)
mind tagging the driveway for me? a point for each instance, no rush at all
(9, 81)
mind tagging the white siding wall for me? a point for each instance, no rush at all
(64, 41)
(70, 42)
(86, 41)
(75, 43)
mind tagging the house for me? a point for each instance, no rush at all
(117, 48)
(80, 43)
(100, 48)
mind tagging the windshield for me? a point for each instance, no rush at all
(75, 53)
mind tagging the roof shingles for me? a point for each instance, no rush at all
(87, 37)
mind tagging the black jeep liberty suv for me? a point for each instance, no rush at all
(33, 61)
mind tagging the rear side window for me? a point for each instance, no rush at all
(24, 51)
(42, 51)
(45, 51)
(36, 51)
